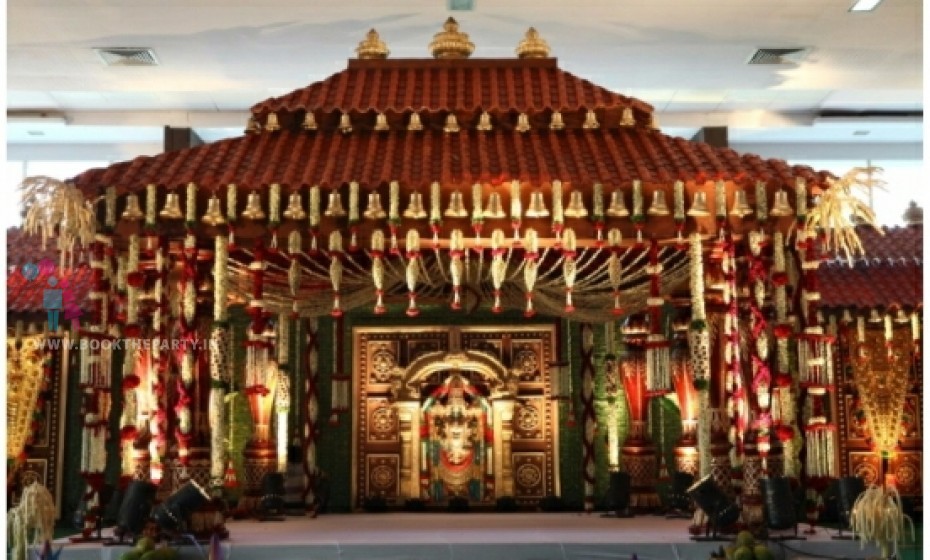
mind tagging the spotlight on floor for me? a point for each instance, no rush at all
(721, 511)
(173, 515)
(135, 509)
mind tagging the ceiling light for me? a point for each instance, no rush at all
(865, 5)
(127, 56)
(461, 5)
(861, 133)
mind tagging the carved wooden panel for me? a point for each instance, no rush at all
(383, 358)
(866, 465)
(907, 469)
(382, 421)
(383, 475)
(529, 474)
(530, 418)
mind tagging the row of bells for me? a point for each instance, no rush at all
(456, 209)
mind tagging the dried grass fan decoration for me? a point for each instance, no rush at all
(57, 209)
(838, 206)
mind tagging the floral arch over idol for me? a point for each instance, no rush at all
(476, 185)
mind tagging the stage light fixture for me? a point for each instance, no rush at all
(135, 509)
(173, 514)
(849, 488)
(272, 500)
(618, 495)
(779, 507)
(865, 5)
(720, 509)
(679, 503)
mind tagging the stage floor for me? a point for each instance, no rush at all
(469, 536)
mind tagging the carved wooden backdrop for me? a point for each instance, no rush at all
(387, 433)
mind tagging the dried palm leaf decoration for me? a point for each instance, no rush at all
(839, 206)
(57, 209)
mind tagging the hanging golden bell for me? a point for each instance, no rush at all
(452, 124)
(537, 207)
(456, 207)
(590, 121)
(658, 206)
(626, 119)
(374, 210)
(381, 122)
(415, 209)
(523, 123)
(334, 209)
(253, 208)
(699, 206)
(617, 208)
(781, 207)
(294, 210)
(741, 206)
(556, 123)
(271, 125)
(309, 121)
(494, 210)
(415, 122)
(484, 122)
(252, 127)
(172, 209)
(132, 212)
(575, 208)
(345, 124)
(214, 214)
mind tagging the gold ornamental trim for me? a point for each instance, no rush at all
(372, 47)
(533, 45)
(450, 42)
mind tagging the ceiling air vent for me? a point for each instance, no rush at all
(778, 56)
(127, 56)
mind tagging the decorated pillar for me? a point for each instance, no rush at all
(638, 452)
(312, 411)
(589, 417)
(686, 452)
(220, 362)
(784, 397)
(699, 346)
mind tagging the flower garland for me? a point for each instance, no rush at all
(498, 267)
(313, 217)
(569, 269)
(231, 192)
(737, 405)
(377, 269)
(413, 271)
(658, 368)
(294, 242)
(335, 271)
(558, 213)
(188, 285)
(597, 214)
(516, 211)
(588, 413)
(312, 411)
(638, 217)
(435, 212)
(759, 355)
(699, 346)
(615, 268)
(131, 381)
(477, 214)
(158, 420)
(530, 269)
(679, 212)
(456, 268)
(274, 213)
(219, 364)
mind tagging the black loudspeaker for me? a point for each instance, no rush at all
(779, 506)
(720, 509)
(273, 490)
(679, 503)
(618, 495)
(172, 515)
(135, 509)
(849, 489)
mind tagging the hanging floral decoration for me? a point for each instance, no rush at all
(435, 212)
(638, 217)
(678, 214)
(530, 269)
(759, 353)
(558, 213)
(597, 215)
(377, 270)
(477, 214)
(615, 268)
(274, 214)
(313, 217)
(412, 272)
(498, 267)
(569, 268)
(335, 271)
(231, 215)
(353, 216)
(456, 267)
(658, 369)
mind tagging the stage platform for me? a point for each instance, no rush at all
(476, 536)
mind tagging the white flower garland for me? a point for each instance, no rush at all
(762, 203)
(191, 203)
(231, 202)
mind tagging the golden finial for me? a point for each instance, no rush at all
(533, 46)
(372, 47)
(450, 42)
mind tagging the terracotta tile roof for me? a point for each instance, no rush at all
(462, 86)
(24, 295)
(614, 157)
(891, 273)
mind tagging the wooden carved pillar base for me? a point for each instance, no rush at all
(261, 458)
(774, 461)
(752, 486)
(721, 469)
(640, 461)
(197, 469)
